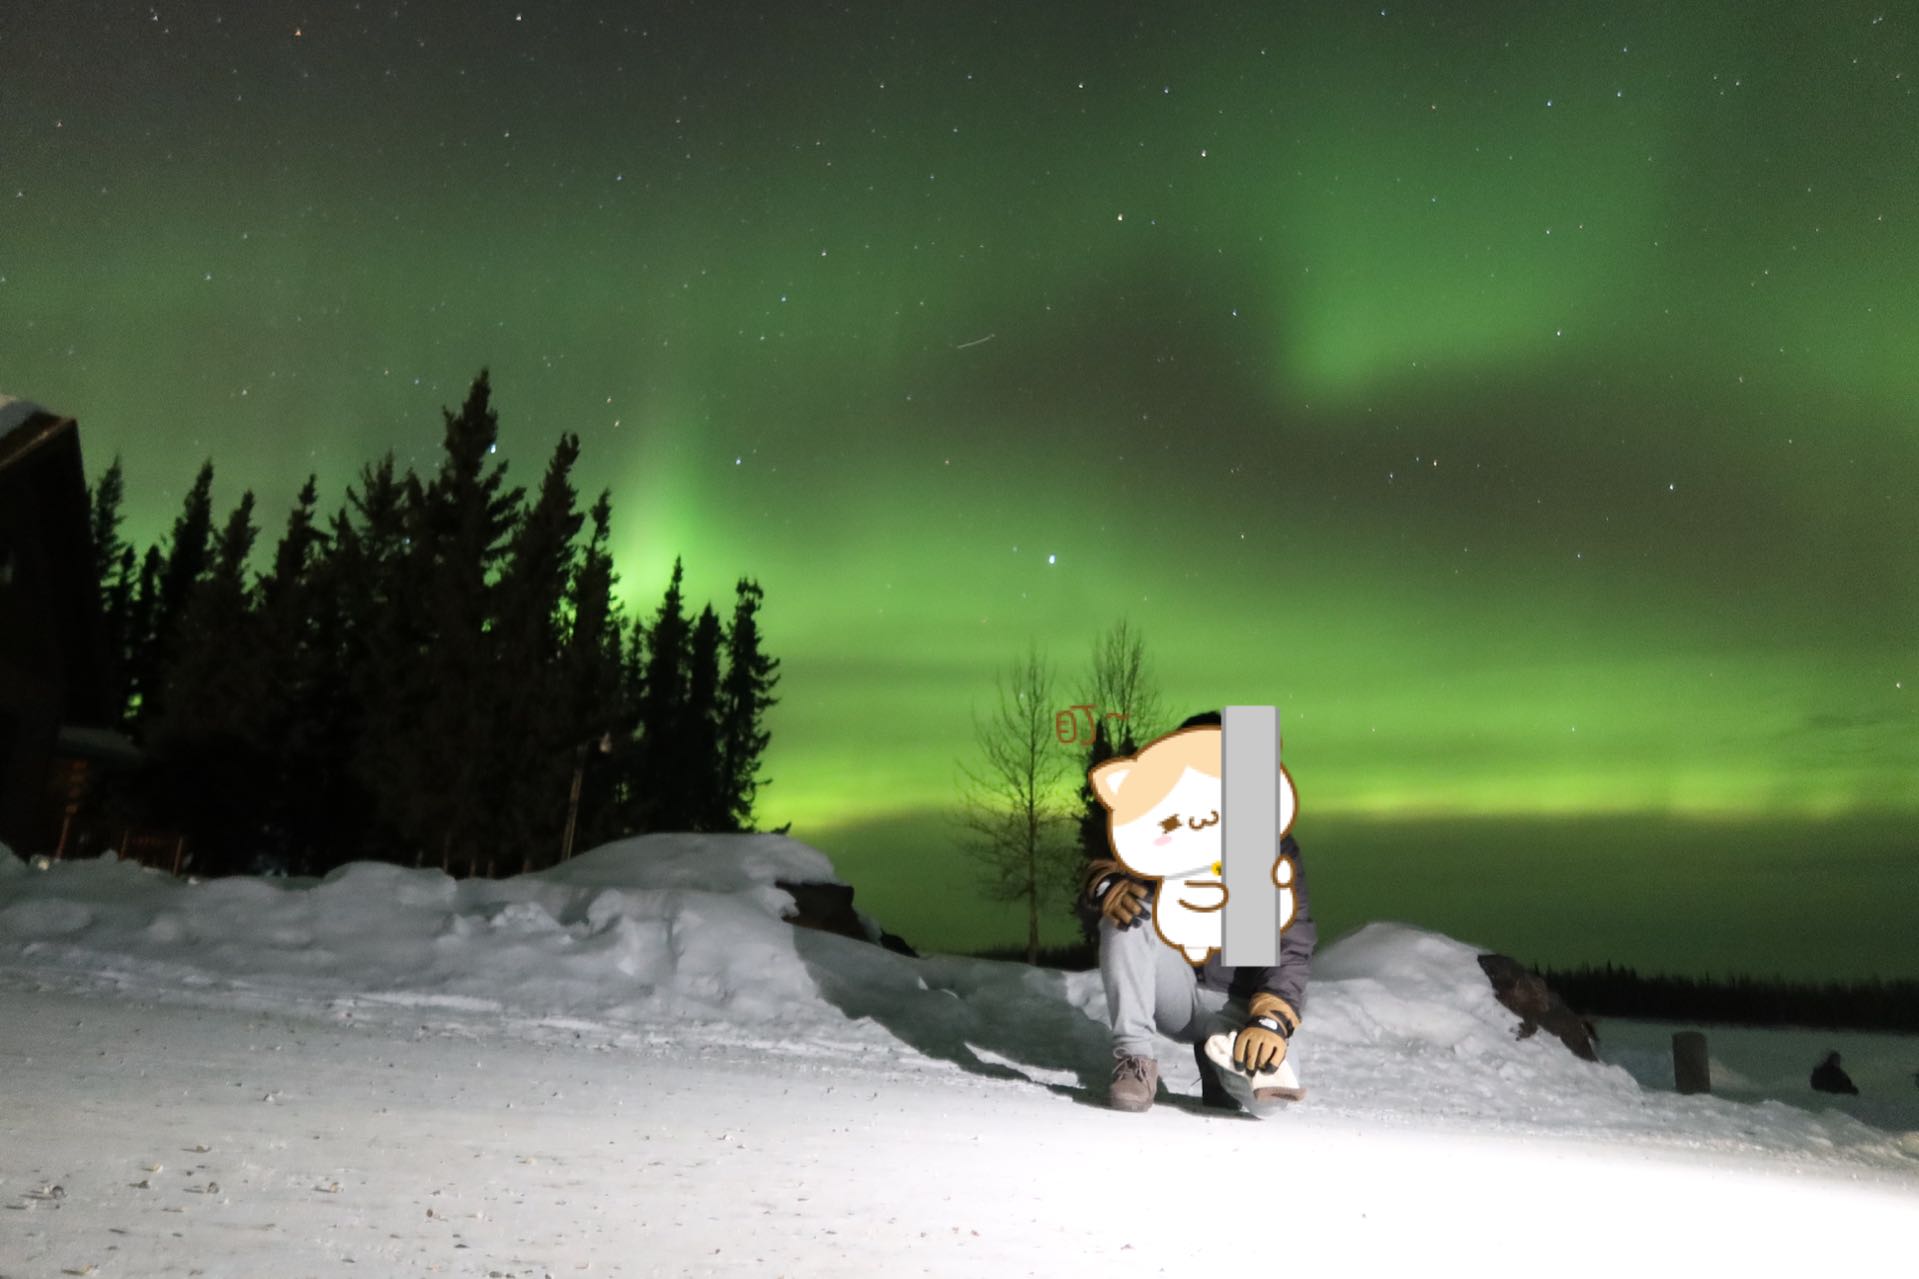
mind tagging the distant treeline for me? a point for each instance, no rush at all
(1611, 991)
(437, 673)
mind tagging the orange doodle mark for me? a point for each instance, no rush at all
(1066, 723)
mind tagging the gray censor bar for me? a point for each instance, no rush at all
(1249, 834)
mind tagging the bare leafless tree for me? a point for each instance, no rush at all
(1121, 684)
(1125, 714)
(1017, 812)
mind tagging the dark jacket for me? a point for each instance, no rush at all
(1287, 979)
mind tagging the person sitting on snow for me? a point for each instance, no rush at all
(1165, 976)
(1828, 1077)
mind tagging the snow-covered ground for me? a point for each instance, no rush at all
(630, 1065)
(1754, 1064)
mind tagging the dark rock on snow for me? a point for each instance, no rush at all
(829, 908)
(1527, 994)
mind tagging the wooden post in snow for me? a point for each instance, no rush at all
(1690, 1070)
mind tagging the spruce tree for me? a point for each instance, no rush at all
(142, 662)
(296, 698)
(210, 686)
(745, 697)
(186, 560)
(368, 638)
(534, 738)
(120, 639)
(625, 769)
(111, 569)
(293, 557)
(702, 778)
(596, 699)
(661, 780)
(188, 550)
(458, 536)
(207, 741)
(232, 548)
(593, 637)
(104, 541)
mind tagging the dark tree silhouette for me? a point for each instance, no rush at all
(104, 524)
(293, 557)
(746, 694)
(186, 560)
(212, 686)
(112, 565)
(526, 799)
(428, 675)
(140, 660)
(208, 740)
(118, 621)
(703, 803)
(300, 700)
(436, 717)
(661, 776)
(367, 636)
(597, 707)
(1614, 991)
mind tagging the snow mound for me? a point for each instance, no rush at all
(713, 863)
(654, 936)
(661, 925)
(1405, 1028)
(682, 939)
(1389, 994)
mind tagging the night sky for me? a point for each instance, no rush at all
(1519, 396)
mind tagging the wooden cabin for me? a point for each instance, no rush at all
(50, 628)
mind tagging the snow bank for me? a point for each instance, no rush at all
(1406, 1029)
(1391, 1000)
(658, 925)
(711, 863)
(1751, 1063)
(681, 938)
(658, 935)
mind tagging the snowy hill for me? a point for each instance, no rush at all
(664, 962)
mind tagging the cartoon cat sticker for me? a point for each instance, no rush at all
(1163, 823)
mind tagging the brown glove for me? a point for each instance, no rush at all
(1112, 892)
(1261, 1046)
(1124, 901)
(1267, 1004)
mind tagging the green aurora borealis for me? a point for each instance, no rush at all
(1520, 397)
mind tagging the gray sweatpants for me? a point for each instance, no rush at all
(1150, 986)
